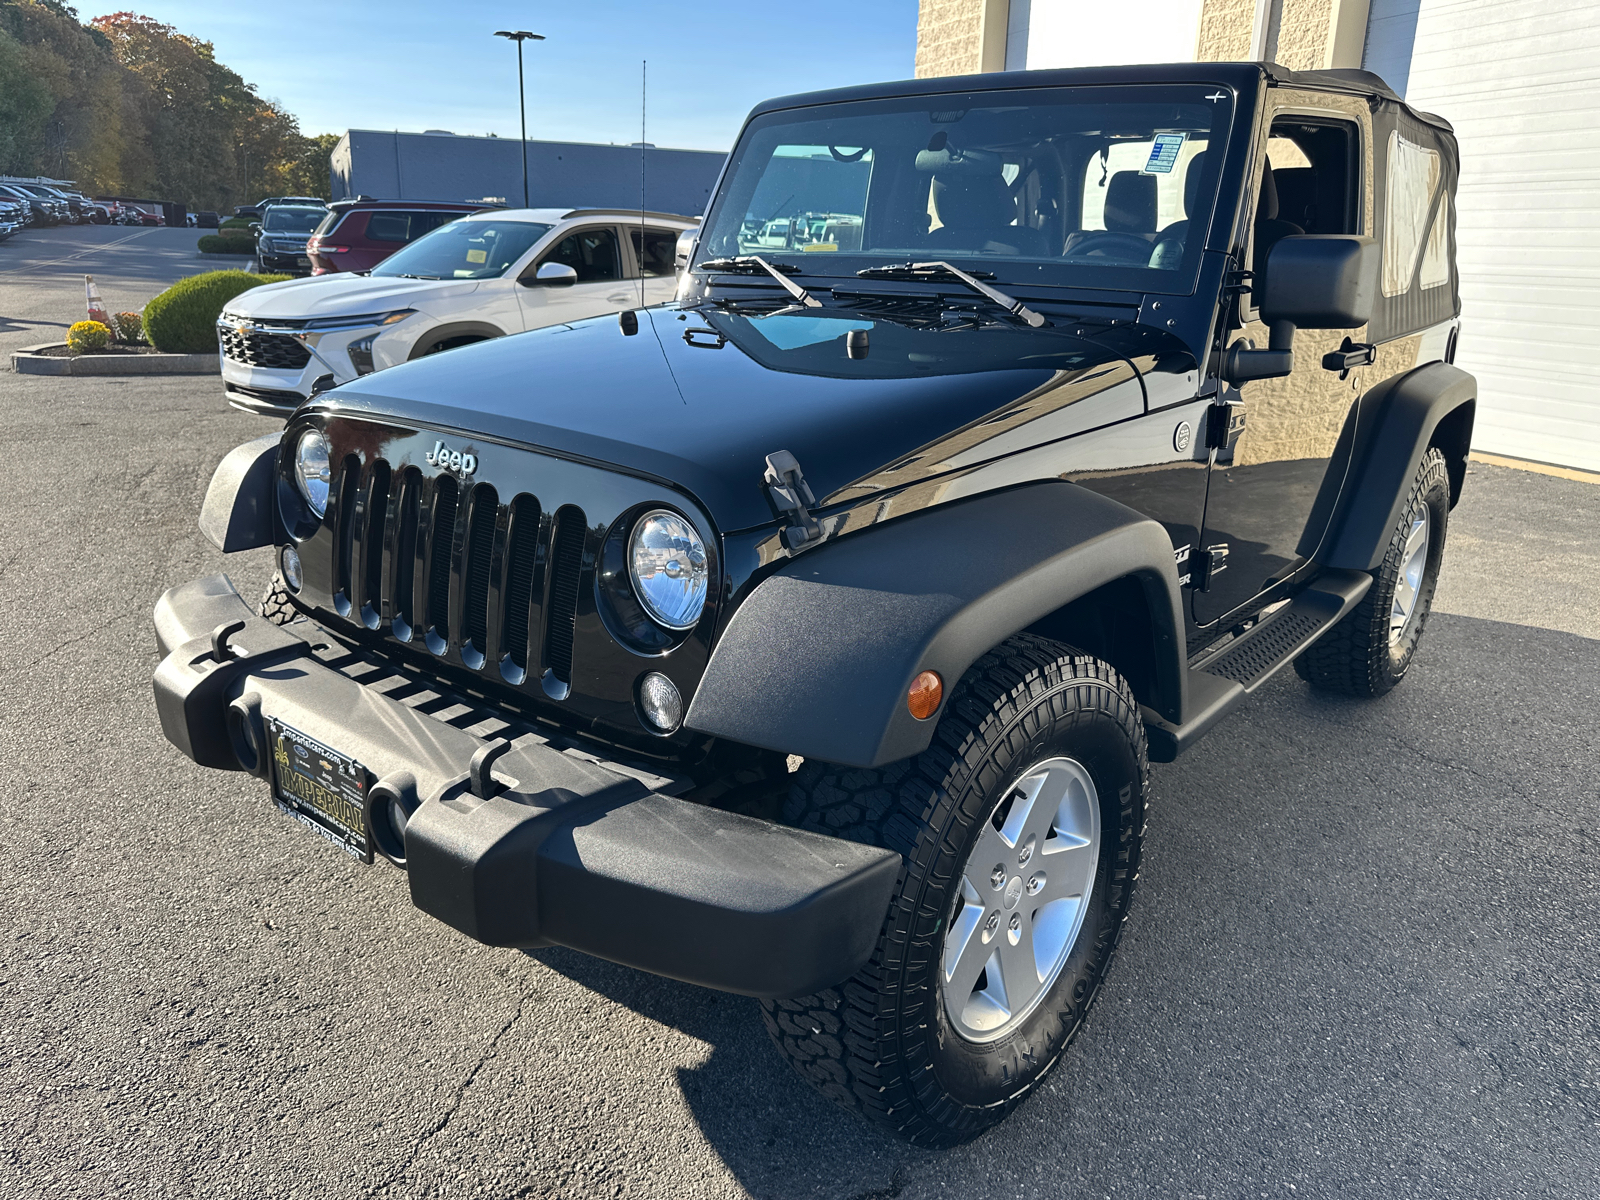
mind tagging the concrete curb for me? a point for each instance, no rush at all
(28, 361)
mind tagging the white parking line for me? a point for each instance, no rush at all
(56, 262)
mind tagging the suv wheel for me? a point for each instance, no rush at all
(1020, 828)
(1369, 651)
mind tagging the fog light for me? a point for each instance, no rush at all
(291, 568)
(660, 701)
(361, 354)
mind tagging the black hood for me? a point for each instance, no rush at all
(703, 412)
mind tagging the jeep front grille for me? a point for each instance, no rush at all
(275, 350)
(446, 565)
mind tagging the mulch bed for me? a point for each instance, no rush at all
(63, 352)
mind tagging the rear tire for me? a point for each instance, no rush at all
(921, 1041)
(1370, 650)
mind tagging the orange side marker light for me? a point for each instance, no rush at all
(927, 689)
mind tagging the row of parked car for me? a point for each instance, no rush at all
(37, 203)
(387, 281)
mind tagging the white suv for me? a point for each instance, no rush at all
(483, 276)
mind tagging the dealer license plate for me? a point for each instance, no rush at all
(322, 789)
(303, 261)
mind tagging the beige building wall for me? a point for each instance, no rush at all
(961, 37)
(965, 37)
(1226, 27)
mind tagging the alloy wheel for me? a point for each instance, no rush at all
(1024, 891)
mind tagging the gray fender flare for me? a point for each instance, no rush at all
(1410, 410)
(238, 513)
(454, 329)
(818, 658)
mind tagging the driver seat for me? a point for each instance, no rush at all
(1269, 230)
(1130, 218)
(976, 214)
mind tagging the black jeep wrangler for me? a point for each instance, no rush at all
(809, 637)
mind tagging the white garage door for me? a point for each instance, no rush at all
(1520, 81)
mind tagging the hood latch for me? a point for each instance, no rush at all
(791, 497)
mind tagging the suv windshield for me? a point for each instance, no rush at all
(465, 250)
(292, 220)
(1083, 187)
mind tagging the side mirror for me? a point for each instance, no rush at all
(687, 241)
(1314, 281)
(552, 274)
(255, 227)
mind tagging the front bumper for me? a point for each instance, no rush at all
(545, 846)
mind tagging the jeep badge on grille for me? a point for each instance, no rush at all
(451, 460)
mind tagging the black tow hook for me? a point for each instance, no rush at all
(480, 779)
(220, 649)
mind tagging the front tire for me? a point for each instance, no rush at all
(1020, 828)
(275, 604)
(1370, 650)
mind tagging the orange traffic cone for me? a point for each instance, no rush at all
(97, 306)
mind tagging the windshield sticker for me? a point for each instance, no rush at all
(478, 256)
(1164, 154)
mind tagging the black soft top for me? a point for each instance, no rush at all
(1241, 75)
(1359, 83)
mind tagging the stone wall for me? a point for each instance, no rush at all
(961, 37)
(1225, 29)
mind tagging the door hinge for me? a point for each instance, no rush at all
(791, 497)
(1208, 564)
(1180, 557)
(1224, 423)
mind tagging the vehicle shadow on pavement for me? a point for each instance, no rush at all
(748, 1103)
(1364, 928)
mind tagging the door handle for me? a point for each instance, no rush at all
(1348, 357)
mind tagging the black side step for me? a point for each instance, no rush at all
(1221, 680)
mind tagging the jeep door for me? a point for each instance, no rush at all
(595, 253)
(1310, 176)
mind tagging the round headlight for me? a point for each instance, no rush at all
(311, 470)
(667, 561)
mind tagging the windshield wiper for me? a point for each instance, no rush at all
(745, 262)
(928, 270)
(404, 276)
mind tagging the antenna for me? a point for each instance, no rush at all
(644, 93)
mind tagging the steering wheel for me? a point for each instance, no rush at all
(1106, 243)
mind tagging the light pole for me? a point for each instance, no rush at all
(519, 36)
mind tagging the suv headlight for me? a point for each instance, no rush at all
(267, 246)
(311, 469)
(667, 563)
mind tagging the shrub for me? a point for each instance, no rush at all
(128, 327)
(183, 319)
(86, 336)
(242, 223)
(230, 243)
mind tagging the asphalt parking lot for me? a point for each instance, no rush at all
(1362, 962)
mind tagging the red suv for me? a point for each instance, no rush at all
(358, 234)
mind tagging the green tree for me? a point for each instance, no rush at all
(25, 106)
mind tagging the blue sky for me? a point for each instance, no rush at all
(411, 65)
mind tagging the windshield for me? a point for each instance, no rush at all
(465, 250)
(291, 220)
(1078, 187)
